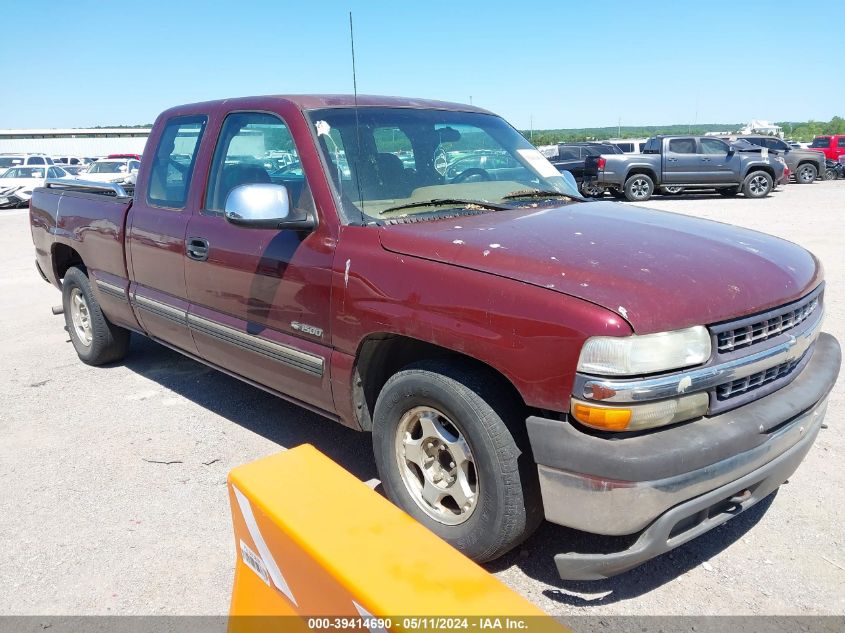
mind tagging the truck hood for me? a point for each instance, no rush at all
(660, 271)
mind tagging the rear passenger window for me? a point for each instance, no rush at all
(255, 147)
(36, 160)
(841, 142)
(173, 162)
(682, 145)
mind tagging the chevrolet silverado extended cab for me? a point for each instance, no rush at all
(675, 163)
(516, 351)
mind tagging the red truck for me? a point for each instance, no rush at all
(832, 146)
(516, 351)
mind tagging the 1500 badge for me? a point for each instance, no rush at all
(313, 330)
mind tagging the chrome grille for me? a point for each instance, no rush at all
(754, 381)
(775, 324)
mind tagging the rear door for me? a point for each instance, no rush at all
(838, 148)
(156, 229)
(681, 162)
(260, 298)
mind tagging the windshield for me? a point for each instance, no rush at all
(821, 141)
(101, 167)
(395, 157)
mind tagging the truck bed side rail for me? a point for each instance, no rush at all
(89, 186)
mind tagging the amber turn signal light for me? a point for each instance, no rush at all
(602, 417)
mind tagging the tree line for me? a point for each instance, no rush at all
(799, 131)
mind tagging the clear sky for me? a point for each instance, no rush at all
(561, 63)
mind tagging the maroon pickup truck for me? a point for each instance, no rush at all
(417, 270)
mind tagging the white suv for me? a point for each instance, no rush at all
(23, 160)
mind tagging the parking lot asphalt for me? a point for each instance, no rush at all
(112, 480)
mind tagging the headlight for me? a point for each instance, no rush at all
(636, 417)
(647, 354)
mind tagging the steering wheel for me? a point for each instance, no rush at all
(466, 174)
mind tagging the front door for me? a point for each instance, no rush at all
(156, 235)
(718, 163)
(260, 297)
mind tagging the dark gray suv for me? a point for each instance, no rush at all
(806, 165)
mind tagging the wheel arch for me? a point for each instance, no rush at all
(381, 355)
(64, 257)
(641, 170)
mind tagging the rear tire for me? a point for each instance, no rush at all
(806, 173)
(428, 418)
(728, 192)
(830, 174)
(618, 195)
(591, 190)
(671, 191)
(96, 340)
(639, 188)
(758, 184)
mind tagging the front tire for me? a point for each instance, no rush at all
(638, 188)
(806, 174)
(96, 340)
(728, 192)
(758, 184)
(449, 449)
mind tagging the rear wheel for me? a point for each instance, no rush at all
(757, 184)
(618, 195)
(451, 453)
(806, 173)
(591, 190)
(638, 188)
(830, 174)
(672, 191)
(96, 340)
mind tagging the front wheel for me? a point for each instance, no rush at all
(450, 453)
(96, 340)
(830, 174)
(728, 192)
(757, 184)
(806, 174)
(638, 188)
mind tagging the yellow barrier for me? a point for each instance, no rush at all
(315, 542)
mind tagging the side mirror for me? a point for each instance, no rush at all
(731, 150)
(262, 206)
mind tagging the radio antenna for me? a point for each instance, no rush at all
(357, 122)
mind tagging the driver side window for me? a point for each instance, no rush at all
(255, 147)
(713, 146)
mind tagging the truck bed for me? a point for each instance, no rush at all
(79, 222)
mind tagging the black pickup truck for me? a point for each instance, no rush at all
(687, 162)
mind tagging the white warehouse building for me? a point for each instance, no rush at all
(74, 141)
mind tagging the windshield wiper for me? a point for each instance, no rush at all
(539, 193)
(442, 202)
